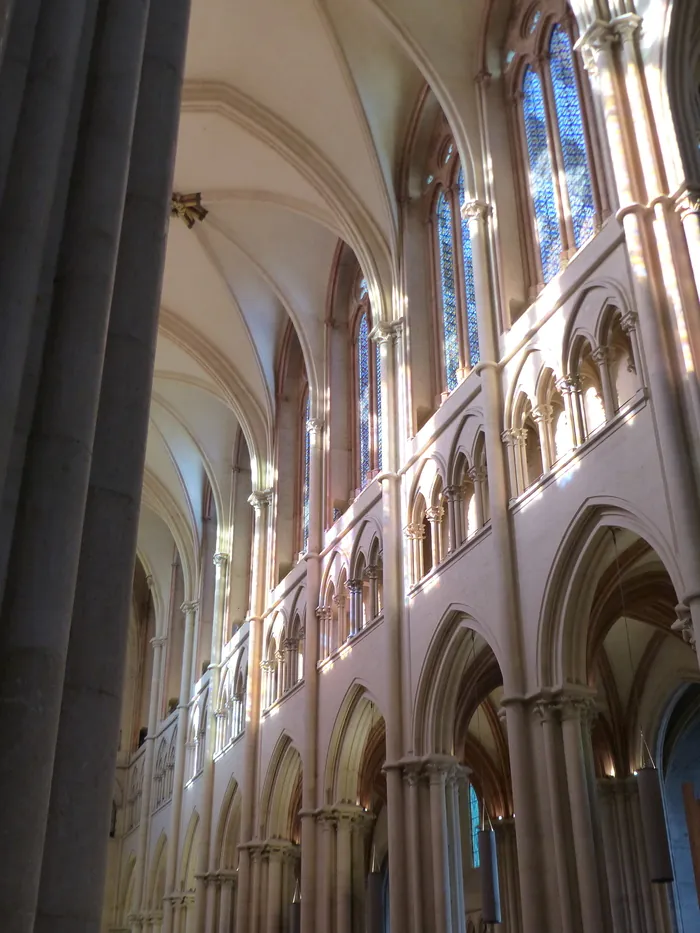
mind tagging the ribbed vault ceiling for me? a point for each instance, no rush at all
(294, 121)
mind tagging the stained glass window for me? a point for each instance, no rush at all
(450, 332)
(469, 290)
(541, 178)
(571, 134)
(364, 409)
(307, 471)
(474, 813)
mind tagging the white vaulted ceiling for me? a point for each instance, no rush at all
(294, 118)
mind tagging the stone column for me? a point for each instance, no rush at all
(356, 614)
(260, 500)
(606, 793)
(311, 657)
(56, 472)
(442, 893)
(414, 532)
(569, 392)
(581, 817)
(343, 885)
(411, 778)
(228, 884)
(543, 419)
(147, 793)
(388, 335)
(478, 477)
(190, 610)
(28, 194)
(455, 535)
(602, 357)
(456, 779)
(435, 516)
(560, 835)
(324, 907)
(508, 874)
(207, 858)
(275, 860)
(372, 574)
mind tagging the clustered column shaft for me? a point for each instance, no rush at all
(78, 437)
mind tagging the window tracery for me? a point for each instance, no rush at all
(455, 295)
(563, 201)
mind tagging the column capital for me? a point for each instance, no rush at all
(191, 606)
(159, 641)
(688, 202)
(315, 426)
(569, 384)
(386, 331)
(476, 210)
(602, 354)
(452, 493)
(543, 413)
(260, 498)
(371, 572)
(628, 322)
(355, 585)
(220, 559)
(415, 531)
(435, 514)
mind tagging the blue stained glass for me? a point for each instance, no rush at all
(469, 289)
(474, 813)
(573, 139)
(378, 378)
(450, 333)
(364, 412)
(541, 180)
(363, 288)
(307, 470)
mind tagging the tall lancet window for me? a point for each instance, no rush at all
(368, 399)
(565, 200)
(454, 275)
(305, 467)
(476, 824)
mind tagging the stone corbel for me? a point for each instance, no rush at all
(683, 625)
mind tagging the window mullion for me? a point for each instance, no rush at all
(554, 142)
(534, 260)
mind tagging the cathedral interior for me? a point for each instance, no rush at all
(350, 466)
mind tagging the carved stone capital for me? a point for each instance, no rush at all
(477, 474)
(386, 331)
(435, 514)
(688, 202)
(260, 498)
(602, 355)
(191, 606)
(355, 586)
(415, 531)
(220, 559)
(372, 572)
(543, 414)
(315, 426)
(476, 210)
(628, 322)
(159, 641)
